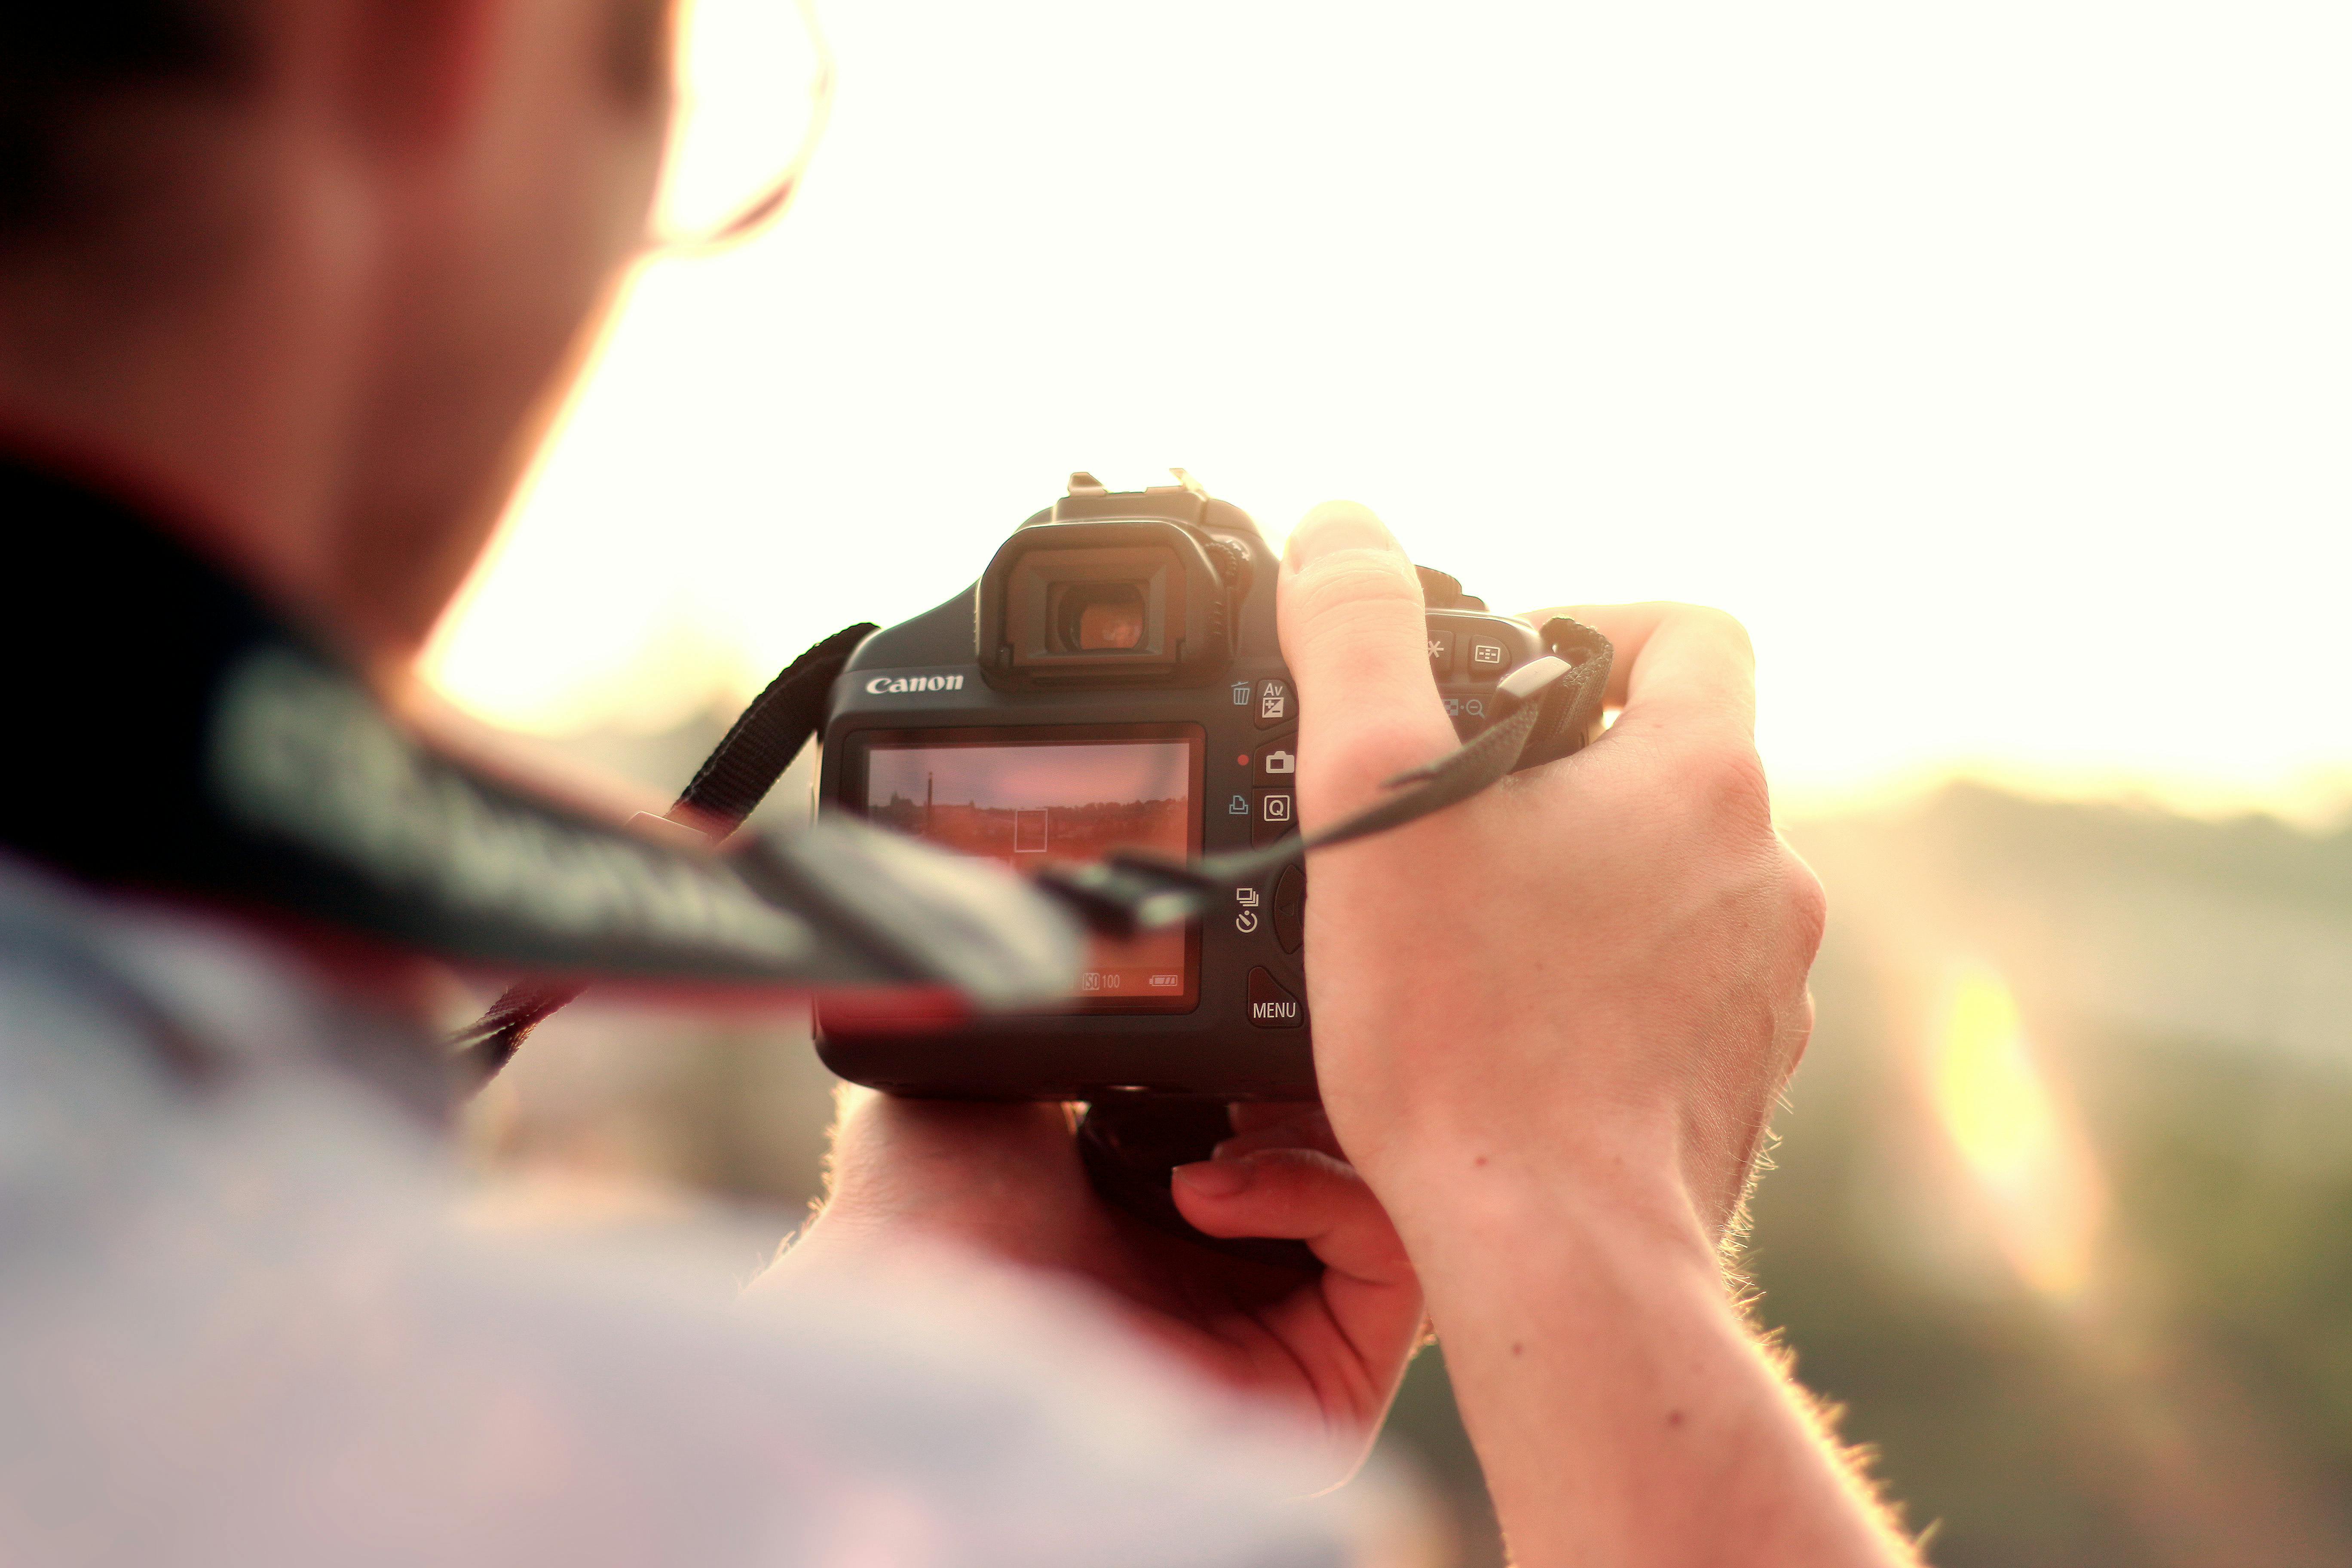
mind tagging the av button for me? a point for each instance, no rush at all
(1271, 1006)
(1273, 704)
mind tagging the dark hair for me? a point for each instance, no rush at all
(57, 56)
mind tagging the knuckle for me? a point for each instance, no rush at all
(1807, 903)
(1729, 781)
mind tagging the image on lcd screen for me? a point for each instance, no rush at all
(1023, 806)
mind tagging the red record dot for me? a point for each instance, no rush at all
(1242, 761)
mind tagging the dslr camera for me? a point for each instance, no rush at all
(1113, 683)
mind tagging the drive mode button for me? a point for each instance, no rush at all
(1271, 1006)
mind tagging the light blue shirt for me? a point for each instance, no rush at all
(238, 1325)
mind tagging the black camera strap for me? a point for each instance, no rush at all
(1542, 710)
(729, 786)
(1128, 893)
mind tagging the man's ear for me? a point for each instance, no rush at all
(637, 50)
(413, 71)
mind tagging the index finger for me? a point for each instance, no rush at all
(1681, 663)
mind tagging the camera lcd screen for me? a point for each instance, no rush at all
(1023, 802)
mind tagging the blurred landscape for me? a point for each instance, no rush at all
(2061, 1216)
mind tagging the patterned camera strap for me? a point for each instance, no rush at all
(1544, 708)
(186, 741)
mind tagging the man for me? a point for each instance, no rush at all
(288, 292)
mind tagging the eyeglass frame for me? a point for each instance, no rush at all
(765, 208)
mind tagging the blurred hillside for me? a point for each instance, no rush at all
(2186, 989)
(2084, 1283)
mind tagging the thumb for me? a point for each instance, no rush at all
(1349, 610)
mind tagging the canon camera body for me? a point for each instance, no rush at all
(1113, 683)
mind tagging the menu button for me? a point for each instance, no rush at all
(1271, 1005)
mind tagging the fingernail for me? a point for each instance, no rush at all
(1298, 1134)
(1216, 1178)
(1335, 525)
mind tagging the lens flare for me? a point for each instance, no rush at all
(2028, 1160)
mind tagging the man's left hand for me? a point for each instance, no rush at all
(1006, 1181)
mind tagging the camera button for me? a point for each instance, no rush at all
(1279, 764)
(1290, 908)
(1274, 705)
(1271, 1004)
(1440, 654)
(1486, 658)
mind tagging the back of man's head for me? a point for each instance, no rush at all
(316, 269)
(67, 63)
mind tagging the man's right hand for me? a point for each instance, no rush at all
(1595, 970)
(1550, 1024)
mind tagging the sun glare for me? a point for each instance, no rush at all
(2028, 1161)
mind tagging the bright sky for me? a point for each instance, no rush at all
(1993, 362)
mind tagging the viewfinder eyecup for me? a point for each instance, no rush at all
(1115, 603)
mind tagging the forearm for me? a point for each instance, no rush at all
(1621, 1410)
